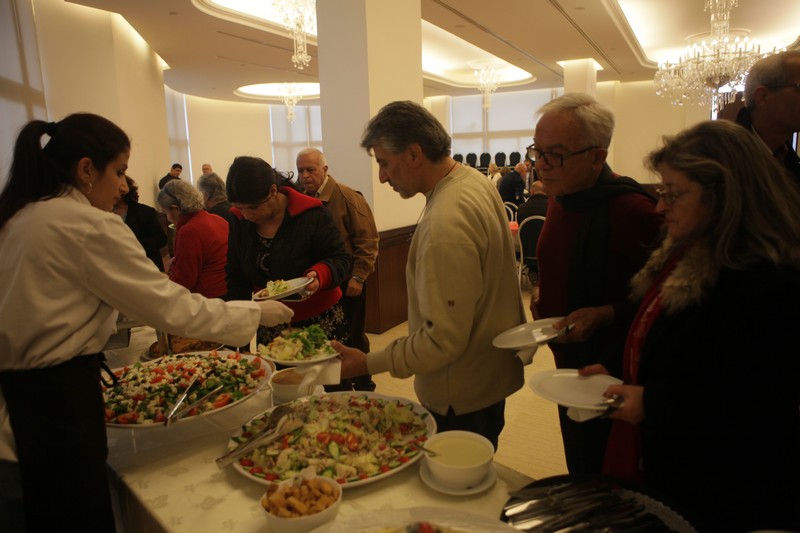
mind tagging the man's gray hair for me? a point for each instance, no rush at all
(315, 152)
(769, 71)
(597, 119)
(400, 124)
(212, 187)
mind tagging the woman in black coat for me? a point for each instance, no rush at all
(710, 418)
(144, 221)
(284, 234)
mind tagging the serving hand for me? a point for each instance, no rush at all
(630, 406)
(586, 321)
(354, 361)
(312, 287)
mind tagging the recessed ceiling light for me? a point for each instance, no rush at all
(276, 91)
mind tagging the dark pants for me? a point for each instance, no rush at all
(584, 443)
(355, 309)
(57, 414)
(488, 421)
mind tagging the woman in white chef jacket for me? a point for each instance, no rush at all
(67, 266)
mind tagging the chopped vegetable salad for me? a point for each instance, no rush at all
(147, 391)
(347, 437)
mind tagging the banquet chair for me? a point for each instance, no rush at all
(511, 210)
(500, 159)
(458, 157)
(528, 235)
(513, 158)
(472, 159)
(486, 158)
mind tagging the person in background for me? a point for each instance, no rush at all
(598, 230)
(206, 168)
(356, 225)
(535, 205)
(530, 173)
(173, 174)
(493, 173)
(284, 234)
(461, 275)
(512, 185)
(68, 266)
(709, 414)
(772, 106)
(143, 221)
(215, 198)
(201, 240)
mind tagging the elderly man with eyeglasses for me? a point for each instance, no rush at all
(600, 228)
(772, 106)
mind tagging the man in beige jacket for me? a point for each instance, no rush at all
(461, 277)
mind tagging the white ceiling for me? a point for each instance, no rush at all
(211, 57)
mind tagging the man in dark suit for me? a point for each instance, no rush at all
(772, 106)
(512, 185)
(173, 174)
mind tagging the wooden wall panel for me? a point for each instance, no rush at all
(387, 299)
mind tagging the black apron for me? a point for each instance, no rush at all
(57, 414)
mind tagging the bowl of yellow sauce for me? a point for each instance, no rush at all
(461, 459)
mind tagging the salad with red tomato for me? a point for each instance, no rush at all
(146, 392)
(353, 438)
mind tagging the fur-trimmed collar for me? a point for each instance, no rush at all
(687, 284)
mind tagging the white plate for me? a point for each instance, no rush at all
(295, 285)
(304, 362)
(430, 426)
(565, 387)
(427, 477)
(374, 521)
(185, 419)
(527, 335)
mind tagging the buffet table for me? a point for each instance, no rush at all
(165, 479)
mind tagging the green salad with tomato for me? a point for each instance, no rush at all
(348, 437)
(146, 392)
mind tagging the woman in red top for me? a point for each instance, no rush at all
(201, 241)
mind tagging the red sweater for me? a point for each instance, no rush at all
(201, 250)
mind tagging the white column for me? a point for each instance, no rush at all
(370, 54)
(579, 76)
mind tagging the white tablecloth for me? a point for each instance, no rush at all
(165, 479)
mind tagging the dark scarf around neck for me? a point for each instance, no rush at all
(587, 270)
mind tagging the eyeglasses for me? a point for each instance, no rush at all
(795, 86)
(668, 197)
(552, 158)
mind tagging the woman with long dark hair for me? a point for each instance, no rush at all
(68, 266)
(709, 418)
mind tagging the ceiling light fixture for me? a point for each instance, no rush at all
(709, 73)
(300, 18)
(290, 97)
(488, 75)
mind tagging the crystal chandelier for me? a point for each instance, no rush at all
(290, 97)
(488, 81)
(709, 73)
(300, 18)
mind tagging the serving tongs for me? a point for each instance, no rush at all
(183, 412)
(181, 399)
(282, 420)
